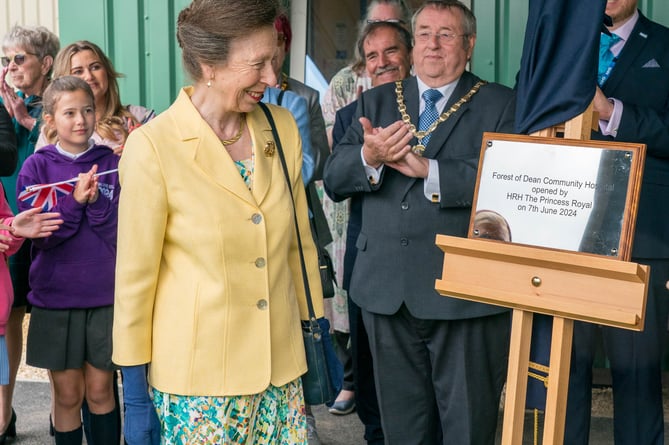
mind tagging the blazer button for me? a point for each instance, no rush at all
(256, 218)
(404, 242)
(260, 262)
(261, 304)
(404, 205)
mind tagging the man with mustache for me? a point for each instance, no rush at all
(411, 157)
(386, 48)
(632, 99)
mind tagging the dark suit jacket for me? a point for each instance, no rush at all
(319, 139)
(397, 259)
(343, 120)
(640, 79)
(321, 150)
(8, 150)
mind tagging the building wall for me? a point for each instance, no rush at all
(139, 36)
(28, 12)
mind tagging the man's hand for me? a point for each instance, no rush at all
(385, 145)
(602, 105)
(411, 165)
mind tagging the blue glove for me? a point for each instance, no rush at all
(142, 426)
(334, 365)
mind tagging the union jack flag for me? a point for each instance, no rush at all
(45, 197)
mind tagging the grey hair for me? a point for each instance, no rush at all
(403, 34)
(468, 18)
(36, 40)
(405, 14)
(358, 64)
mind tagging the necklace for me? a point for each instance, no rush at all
(284, 81)
(420, 148)
(235, 138)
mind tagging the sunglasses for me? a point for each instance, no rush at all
(18, 59)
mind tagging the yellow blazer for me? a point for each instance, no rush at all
(209, 289)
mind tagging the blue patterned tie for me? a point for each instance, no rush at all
(606, 57)
(430, 114)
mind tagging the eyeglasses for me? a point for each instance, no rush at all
(18, 59)
(443, 37)
(396, 21)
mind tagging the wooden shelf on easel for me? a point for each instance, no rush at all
(568, 286)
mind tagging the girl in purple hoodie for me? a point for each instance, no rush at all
(72, 271)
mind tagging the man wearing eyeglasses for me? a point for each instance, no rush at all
(411, 156)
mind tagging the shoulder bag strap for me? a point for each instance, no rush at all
(282, 158)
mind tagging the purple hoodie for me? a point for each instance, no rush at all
(74, 267)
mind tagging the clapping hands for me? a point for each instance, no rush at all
(390, 146)
(14, 104)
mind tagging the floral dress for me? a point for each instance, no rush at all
(274, 416)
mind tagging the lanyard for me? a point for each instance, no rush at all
(602, 79)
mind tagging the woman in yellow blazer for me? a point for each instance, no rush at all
(209, 290)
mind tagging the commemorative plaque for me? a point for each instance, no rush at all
(556, 193)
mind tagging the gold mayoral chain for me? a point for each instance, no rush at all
(235, 138)
(420, 135)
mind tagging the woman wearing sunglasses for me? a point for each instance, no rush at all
(27, 57)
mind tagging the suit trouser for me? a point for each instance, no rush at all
(432, 373)
(363, 376)
(636, 370)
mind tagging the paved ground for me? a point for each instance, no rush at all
(32, 402)
(32, 408)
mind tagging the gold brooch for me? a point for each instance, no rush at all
(270, 146)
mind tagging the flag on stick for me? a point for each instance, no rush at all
(46, 195)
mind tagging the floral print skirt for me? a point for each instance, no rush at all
(274, 416)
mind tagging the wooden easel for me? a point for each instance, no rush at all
(568, 286)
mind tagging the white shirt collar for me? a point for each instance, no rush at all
(445, 90)
(74, 156)
(625, 30)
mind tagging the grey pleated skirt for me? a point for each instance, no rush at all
(60, 339)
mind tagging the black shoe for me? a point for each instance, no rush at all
(342, 407)
(11, 429)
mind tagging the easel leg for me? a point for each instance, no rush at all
(516, 382)
(558, 380)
